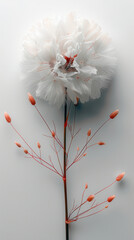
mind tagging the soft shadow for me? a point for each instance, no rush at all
(93, 107)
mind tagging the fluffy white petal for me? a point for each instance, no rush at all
(70, 53)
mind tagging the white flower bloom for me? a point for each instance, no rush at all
(70, 53)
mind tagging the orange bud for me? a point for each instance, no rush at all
(86, 186)
(101, 143)
(114, 114)
(25, 151)
(38, 145)
(84, 154)
(120, 176)
(111, 198)
(31, 99)
(89, 132)
(78, 149)
(106, 206)
(90, 198)
(53, 134)
(7, 117)
(18, 144)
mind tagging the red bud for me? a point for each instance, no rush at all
(101, 143)
(120, 176)
(18, 144)
(86, 186)
(7, 117)
(114, 114)
(53, 134)
(90, 198)
(38, 145)
(111, 198)
(31, 99)
(84, 154)
(25, 151)
(89, 132)
(106, 206)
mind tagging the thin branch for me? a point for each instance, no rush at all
(44, 165)
(97, 205)
(58, 157)
(85, 146)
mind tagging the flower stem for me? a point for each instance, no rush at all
(65, 163)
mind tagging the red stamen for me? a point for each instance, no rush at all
(69, 60)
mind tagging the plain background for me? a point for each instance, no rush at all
(31, 198)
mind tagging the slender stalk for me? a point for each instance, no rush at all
(65, 163)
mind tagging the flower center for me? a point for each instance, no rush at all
(69, 61)
(65, 66)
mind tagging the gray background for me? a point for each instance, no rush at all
(31, 198)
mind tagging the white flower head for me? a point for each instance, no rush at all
(70, 53)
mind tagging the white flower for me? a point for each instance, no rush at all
(69, 53)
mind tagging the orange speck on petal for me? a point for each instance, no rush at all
(120, 176)
(86, 186)
(31, 99)
(101, 143)
(25, 151)
(114, 114)
(77, 101)
(38, 145)
(7, 117)
(89, 132)
(53, 134)
(18, 144)
(111, 198)
(90, 198)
